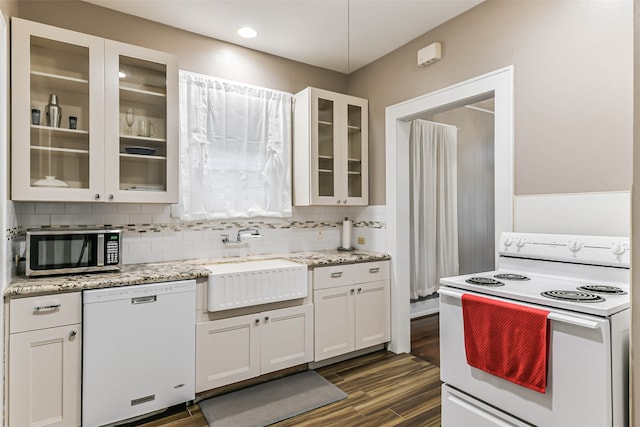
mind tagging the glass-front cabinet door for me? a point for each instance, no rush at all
(324, 178)
(57, 127)
(357, 179)
(141, 131)
(330, 149)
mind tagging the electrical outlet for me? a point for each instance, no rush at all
(361, 240)
(319, 234)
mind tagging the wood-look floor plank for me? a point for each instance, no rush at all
(418, 404)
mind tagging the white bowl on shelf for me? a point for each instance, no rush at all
(50, 181)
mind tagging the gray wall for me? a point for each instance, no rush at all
(476, 249)
(195, 53)
(573, 88)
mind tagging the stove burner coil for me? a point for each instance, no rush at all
(602, 289)
(484, 281)
(575, 296)
(511, 276)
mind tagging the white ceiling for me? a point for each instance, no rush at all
(340, 35)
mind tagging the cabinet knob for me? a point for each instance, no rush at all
(97, 196)
(338, 202)
(266, 318)
(72, 334)
(110, 196)
(257, 321)
(344, 201)
(359, 290)
(353, 291)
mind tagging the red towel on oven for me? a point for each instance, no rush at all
(507, 340)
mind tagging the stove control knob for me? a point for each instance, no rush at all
(618, 249)
(574, 246)
(507, 242)
(521, 242)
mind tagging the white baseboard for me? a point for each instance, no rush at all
(424, 308)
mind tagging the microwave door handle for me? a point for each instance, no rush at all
(558, 317)
(100, 250)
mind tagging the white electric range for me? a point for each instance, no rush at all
(583, 281)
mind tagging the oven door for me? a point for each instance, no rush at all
(580, 382)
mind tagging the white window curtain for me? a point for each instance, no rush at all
(235, 149)
(433, 210)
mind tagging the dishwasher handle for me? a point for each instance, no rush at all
(144, 300)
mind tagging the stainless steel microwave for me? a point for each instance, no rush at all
(51, 252)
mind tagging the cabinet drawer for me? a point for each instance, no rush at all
(47, 311)
(339, 275)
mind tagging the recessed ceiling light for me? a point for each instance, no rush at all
(247, 32)
(121, 74)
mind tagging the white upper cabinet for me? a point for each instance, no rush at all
(51, 161)
(141, 124)
(330, 149)
(90, 153)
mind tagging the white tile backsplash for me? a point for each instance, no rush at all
(128, 208)
(104, 208)
(77, 208)
(49, 208)
(64, 219)
(152, 235)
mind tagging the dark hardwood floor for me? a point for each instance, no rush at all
(425, 338)
(385, 389)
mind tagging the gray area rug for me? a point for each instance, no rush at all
(270, 402)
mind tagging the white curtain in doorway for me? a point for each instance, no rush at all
(434, 212)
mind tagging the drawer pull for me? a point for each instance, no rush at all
(374, 270)
(50, 307)
(144, 300)
(72, 334)
(336, 274)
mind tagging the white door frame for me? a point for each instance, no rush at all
(397, 120)
(4, 166)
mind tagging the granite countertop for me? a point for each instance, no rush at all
(136, 274)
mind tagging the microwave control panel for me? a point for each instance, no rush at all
(112, 248)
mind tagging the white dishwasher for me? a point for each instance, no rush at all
(138, 350)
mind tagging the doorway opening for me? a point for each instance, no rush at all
(452, 233)
(497, 85)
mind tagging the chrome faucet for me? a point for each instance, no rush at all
(253, 231)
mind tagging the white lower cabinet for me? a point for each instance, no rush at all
(238, 348)
(45, 351)
(352, 316)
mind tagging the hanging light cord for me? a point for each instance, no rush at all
(348, 36)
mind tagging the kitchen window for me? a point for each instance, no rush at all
(235, 149)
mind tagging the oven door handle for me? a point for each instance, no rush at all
(450, 293)
(573, 320)
(558, 317)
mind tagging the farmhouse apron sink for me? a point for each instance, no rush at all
(243, 284)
